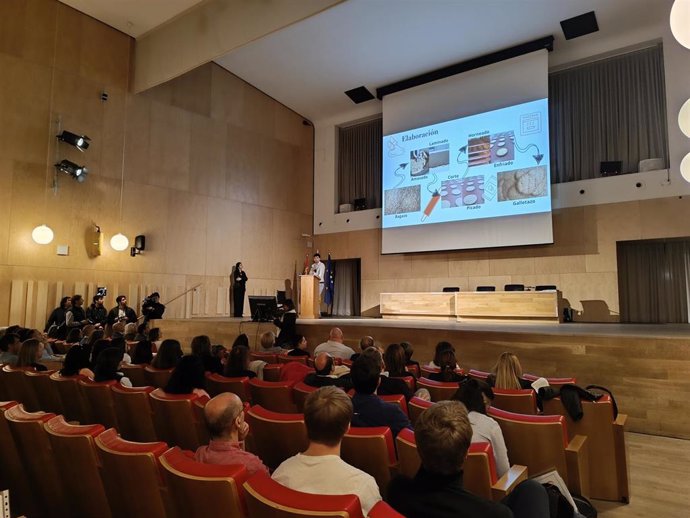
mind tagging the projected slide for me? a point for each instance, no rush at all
(482, 166)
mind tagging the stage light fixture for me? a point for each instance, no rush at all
(78, 172)
(42, 234)
(81, 142)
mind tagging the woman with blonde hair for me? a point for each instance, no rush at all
(507, 373)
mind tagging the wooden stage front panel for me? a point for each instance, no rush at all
(473, 306)
(646, 368)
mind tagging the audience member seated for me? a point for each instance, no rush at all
(299, 348)
(443, 434)
(320, 470)
(77, 362)
(96, 312)
(364, 343)
(156, 337)
(130, 332)
(409, 362)
(9, 348)
(476, 396)
(56, 326)
(227, 428)
(76, 316)
(507, 373)
(34, 334)
(268, 343)
(30, 352)
(388, 386)
(238, 363)
(220, 351)
(288, 334)
(107, 365)
(201, 347)
(369, 409)
(169, 353)
(74, 336)
(143, 353)
(395, 361)
(447, 363)
(441, 348)
(188, 377)
(242, 339)
(142, 332)
(335, 346)
(324, 376)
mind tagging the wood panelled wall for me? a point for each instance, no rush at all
(581, 262)
(215, 172)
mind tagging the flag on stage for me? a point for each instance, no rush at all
(329, 282)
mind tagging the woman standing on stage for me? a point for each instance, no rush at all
(239, 282)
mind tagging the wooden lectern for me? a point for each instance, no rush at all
(309, 300)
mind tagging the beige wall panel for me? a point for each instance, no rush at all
(437, 284)
(498, 281)
(18, 301)
(224, 234)
(539, 279)
(222, 301)
(258, 111)
(395, 267)
(207, 156)
(468, 265)
(304, 202)
(257, 240)
(169, 147)
(6, 174)
(288, 127)
(186, 233)
(605, 261)
(619, 222)
(668, 219)
(429, 265)
(227, 96)
(277, 186)
(138, 143)
(104, 53)
(24, 105)
(515, 267)
(30, 314)
(593, 295)
(287, 244)
(27, 29)
(112, 134)
(41, 304)
(244, 161)
(366, 244)
(68, 52)
(560, 263)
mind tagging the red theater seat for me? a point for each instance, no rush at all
(300, 391)
(266, 498)
(269, 358)
(478, 375)
(541, 443)
(12, 472)
(134, 414)
(371, 449)
(439, 390)
(78, 465)
(157, 377)
(218, 384)
(135, 373)
(398, 400)
(608, 465)
(175, 420)
(73, 400)
(48, 398)
(272, 372)
(286, 358)
(414, 370)
(520, 401)
(131, 477)
(416, 406)
(99, 401)
(203, 490)
(276, 436)
(273, 395)
(554, 382)
(18, 388)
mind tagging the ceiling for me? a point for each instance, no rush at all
(308, 65)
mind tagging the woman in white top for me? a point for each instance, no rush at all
(476, 396)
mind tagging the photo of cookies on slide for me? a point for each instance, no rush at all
(460, 193)
(402, 200)
(520, 184)
(479, 151)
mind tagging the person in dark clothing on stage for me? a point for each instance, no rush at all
(58, 316)
(239, 286)
(152, 309)
(76, 316)
(288, 334)
(96, 313)
(122, 312)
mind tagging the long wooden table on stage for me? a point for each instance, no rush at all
(474, 306)
(647, 367)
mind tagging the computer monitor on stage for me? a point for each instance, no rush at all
(263, 308)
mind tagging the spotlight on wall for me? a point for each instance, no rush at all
(139, 246)
(81, 142)
(78, 172)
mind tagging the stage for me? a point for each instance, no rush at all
(647, 367)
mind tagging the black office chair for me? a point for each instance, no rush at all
(449, 289)
(514, 287)
(486, 288)
(546, 287)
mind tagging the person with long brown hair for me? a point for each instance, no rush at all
(507, 373)
(30, 352)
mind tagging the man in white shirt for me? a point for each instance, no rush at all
(334, 346)
(318, 270)
(320, 470)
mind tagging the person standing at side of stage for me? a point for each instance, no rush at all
(239, 286)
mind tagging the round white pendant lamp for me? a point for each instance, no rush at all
(684, 118)
(685, 168)
(680, 22)
(42, 234)
(119, 242)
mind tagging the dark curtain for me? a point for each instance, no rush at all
(359, 163)
(612, 109)
(347, 292)
(653, 281)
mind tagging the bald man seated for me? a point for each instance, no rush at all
(326, 374)
(226, 425)
(335, 346)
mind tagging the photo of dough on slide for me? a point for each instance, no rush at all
(520, 184)
(460, 193)
(502, 146)
(402, 200)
